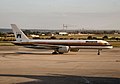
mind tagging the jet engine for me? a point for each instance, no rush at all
(63, 49)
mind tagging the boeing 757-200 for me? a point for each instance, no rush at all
(59, 46)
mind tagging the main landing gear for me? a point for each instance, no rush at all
(99, 50)
(56, 52)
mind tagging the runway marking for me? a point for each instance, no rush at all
(86, 80)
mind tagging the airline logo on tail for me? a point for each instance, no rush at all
(19, 35)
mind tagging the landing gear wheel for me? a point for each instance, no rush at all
(99, 51)
(54, 53)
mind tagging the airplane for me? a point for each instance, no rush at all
(59, 46)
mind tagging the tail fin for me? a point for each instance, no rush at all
(19, 35)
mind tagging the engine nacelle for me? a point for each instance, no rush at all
(63, 49)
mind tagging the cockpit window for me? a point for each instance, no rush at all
(105, 43)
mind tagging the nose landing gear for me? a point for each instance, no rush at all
(99, 50)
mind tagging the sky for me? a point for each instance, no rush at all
(52, 14)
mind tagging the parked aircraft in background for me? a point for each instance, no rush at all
(59, 46)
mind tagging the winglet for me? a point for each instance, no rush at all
(19, 35)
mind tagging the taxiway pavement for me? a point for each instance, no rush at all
(19, 65)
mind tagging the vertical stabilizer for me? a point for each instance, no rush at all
(19, 35)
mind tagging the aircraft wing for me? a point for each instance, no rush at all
(44, 46)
